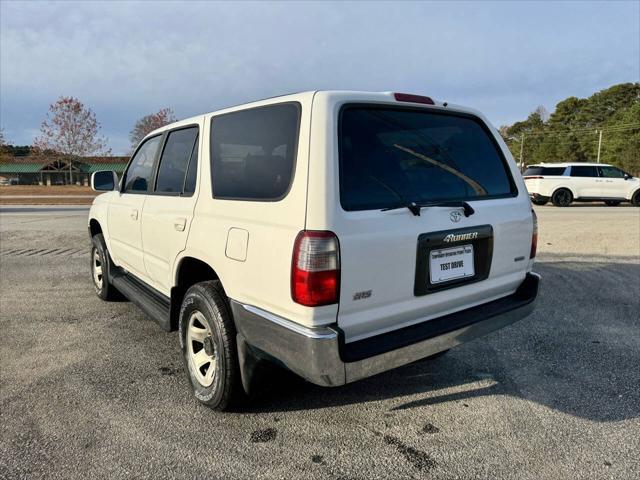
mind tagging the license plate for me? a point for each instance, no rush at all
(451, 263)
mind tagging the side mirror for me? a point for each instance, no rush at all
(627, 176)
(104, 181)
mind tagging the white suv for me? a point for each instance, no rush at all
(339, 234)
(563, 183)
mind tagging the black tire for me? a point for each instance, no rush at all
(100, 258)
(635, 200)
(612, 203)
(562, 197)
(433, 357)
(206, 302)
(540, 202)
(439, 354)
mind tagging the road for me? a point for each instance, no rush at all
(90, 389)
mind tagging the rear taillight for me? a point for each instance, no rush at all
(315, 269)
(534, 236)
(409, 97)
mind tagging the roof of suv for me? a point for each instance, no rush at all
(570, 164)
(360, 96)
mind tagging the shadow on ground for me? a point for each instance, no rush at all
(578, 353)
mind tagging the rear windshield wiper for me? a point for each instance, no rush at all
(416, 207)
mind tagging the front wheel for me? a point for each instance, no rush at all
(612, 203)
(635, 200)
(100, 262)
(562, 198)
(208, 343)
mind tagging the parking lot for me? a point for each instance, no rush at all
(90, 389)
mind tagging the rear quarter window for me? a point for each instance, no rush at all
(253, 152)
(390, 156)
(546, 171)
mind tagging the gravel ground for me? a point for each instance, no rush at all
(90, 389)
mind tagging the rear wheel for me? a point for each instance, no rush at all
(612, 203)
(562, 198)
(635, 200)
(100, 262)
(208, 343)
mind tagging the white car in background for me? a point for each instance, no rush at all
(563, 183)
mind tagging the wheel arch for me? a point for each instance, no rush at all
(563, 187)
(189, 271)
(94, 227)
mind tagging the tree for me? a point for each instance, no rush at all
(149, 123)
(71, 130)
(4, 154)
(571, 132)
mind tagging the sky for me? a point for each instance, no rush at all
(127, 59)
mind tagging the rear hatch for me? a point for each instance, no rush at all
(402, 263)
(535, 174)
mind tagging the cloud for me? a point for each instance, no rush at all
(127, 59)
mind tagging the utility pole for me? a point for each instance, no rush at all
(599, 144)
(521, 151)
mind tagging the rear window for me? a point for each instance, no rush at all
(253, 152)
(390, 156)
(548, 171)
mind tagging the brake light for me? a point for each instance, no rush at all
(315, 268)
(409, 97)
(533, 178)
(534, 236)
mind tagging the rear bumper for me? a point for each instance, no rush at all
(537, 196)
(321, 356)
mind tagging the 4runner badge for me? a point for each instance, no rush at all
(463, 236)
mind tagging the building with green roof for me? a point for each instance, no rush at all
(59, 172)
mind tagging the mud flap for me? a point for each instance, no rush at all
(247, 361)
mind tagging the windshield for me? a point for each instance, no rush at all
(391, 156)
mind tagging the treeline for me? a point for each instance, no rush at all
(572, 132)
(71, 130)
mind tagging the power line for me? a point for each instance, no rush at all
(584, 130)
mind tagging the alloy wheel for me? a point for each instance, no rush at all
(201, 350)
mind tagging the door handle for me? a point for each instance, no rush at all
(134, 214)
(179, 224)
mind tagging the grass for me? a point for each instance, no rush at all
(9, 195)
(8, 190)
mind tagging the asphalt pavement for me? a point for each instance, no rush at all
(90, 389)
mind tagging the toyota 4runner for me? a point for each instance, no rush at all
(338, 234)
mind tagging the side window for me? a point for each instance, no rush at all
(253, 152)
(611, 172)
(175, 160)
(140, 170)
(584, 171)
(553, 171)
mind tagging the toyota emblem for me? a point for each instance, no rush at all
(455, 216)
